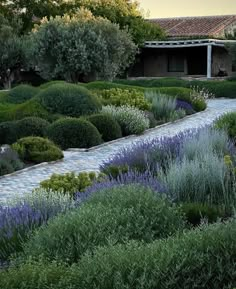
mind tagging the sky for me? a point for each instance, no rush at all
(172, 8)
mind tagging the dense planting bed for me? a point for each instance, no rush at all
(82, 116)
(157, 214)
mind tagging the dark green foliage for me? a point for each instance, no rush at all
(8, 132)
(195, 212)
(106, 125)
(115, 171)
(74, 133)
(31, 126)
(9, 162)
(112, 216)
(21, 93)
(29, 108)
(161, 82)
(37, 150)
(228, 122)
(68, 99)
(201, 258)
(50, 83)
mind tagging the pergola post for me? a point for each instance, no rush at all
(209, 60)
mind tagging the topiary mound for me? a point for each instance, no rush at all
(118, 214)
(74, 133)
(31, 126)
(29, 108)
(22, 93)
(108, 127)
(9, 162)
(68, 99)
(8, 133)
(37, 150)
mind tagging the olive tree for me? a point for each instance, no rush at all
(11, 53)
(82, 45)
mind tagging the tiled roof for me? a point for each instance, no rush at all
(195, 26)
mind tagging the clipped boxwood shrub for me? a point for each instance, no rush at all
(37, 150)
(74, 133)
(31, 126)
(108, 127)
(68, 99)
(22, 93)
(228, 122)
(114, 215)
(8, 132)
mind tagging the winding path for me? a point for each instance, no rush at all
(77, 161)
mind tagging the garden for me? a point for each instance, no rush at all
(160, 214)
(38, 123)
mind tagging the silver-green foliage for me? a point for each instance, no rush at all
(204, 179)
(206, 142)
(69, 47)
(163, 105)
(131, 119)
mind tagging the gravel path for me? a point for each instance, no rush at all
(77, 161)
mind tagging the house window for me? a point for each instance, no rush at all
(175, 63)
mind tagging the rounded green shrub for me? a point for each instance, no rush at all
(37, 150)
(112, 216)
(108, 127)
(74, 133)
(227, 122)
(22, 93)
(200, 258)
(31, 126)
(8, 133)
(68, 99)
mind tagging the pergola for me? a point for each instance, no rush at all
(209, 43)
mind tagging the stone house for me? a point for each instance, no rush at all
(196, 46)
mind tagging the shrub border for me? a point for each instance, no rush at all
(99, 146)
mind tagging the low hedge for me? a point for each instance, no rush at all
(68, 99)
(118, 214)
(200, 258)
(108, 127)
(74, 133)
(37, 150)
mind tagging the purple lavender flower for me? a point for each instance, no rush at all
(181, 104)
(150, 154)
(145, 179)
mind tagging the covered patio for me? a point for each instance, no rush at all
(178, 58)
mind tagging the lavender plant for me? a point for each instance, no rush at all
(20, 218)
(145, 179)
